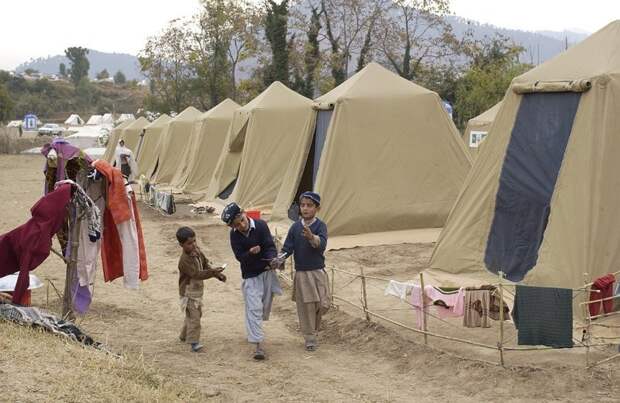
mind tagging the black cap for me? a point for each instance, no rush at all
(230, 212)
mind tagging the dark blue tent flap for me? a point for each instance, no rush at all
(320, 133)
(527, 180)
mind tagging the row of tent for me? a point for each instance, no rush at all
(98, 120)
(539, 204)
(380, 149)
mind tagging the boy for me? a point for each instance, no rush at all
(253, 246)
(194, 268)
(307, 240)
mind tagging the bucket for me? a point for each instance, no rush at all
(253, 214)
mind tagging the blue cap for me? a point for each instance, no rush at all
(312, 196)
(230, 212)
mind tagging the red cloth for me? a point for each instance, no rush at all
(144, 274)
(116, 212)
(28, 245)
(606, 286)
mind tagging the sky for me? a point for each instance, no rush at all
(41, 28)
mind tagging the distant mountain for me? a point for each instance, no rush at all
(539, 46)
(113, 62)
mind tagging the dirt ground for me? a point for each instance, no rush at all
(357, 360)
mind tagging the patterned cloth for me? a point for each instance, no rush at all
(86, 205)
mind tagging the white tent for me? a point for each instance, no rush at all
(74, 120)
(124, 117)
(107, 119)
(94, 120)
(87, 136)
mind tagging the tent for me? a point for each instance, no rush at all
(149, 141)
(113, 140)
(383, 154)
(541, 202)
(205, 146)
(74, 120)
(131, 133)
(262, 138)
(124, 116)
(478, 128)
(107, 119)
(173, 145)
(94, 120)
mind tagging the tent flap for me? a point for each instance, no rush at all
(527, 181)
(552, 86)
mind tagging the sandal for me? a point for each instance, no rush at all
(259, 354)
(310, 346)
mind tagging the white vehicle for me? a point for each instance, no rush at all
(50, 129)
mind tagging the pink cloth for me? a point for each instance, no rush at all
(455, 301)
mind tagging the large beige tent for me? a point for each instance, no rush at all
(541, 202)
(149, 141)
(172, 149)
(131, 134)
(205, 147)
(478, 128)
(113, 140)
(263, 136)
(384, 155)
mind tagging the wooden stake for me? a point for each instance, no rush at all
(588, 319)
(71, 272)
(423, 310)
(364, 297)
(333, 288)
(500, 342)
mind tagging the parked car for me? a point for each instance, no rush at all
(50, 129)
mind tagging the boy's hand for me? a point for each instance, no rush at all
(307, 233)
(221, 277)
(255, 250)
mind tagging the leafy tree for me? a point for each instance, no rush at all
(312, 55)
(119, 78)
(276, 30)
(6, 104)
(103, 74)
(494, 63)
(165, 62)
(79, 63)
(30, 71)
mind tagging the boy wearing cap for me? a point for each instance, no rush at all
(306, 241)
(253, 246)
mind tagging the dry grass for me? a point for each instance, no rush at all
(44, 367)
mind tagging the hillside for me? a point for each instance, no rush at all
(113, 62)
(54, 101)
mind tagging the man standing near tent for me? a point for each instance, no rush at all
(253, 246)
(125, 161)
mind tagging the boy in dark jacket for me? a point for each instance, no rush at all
(253, 246)
(306, 241)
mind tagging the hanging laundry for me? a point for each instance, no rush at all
(447, 304)
(123, 252)
(399, 289)
(28, 245)
(116, 212)
(477, 303)
(605, 285)
(544, 316)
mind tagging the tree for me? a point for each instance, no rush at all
(346, 23)
(494, 63)
(62, 70)
(276, 31)
(31, 71)
(79, 63)
(119, 78)
(103, 75)
(415, 35)
(245, 21)
(312, 56)
(6, 104)
(165, 62)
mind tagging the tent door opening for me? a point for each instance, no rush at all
(527, 180)
(308, 177)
